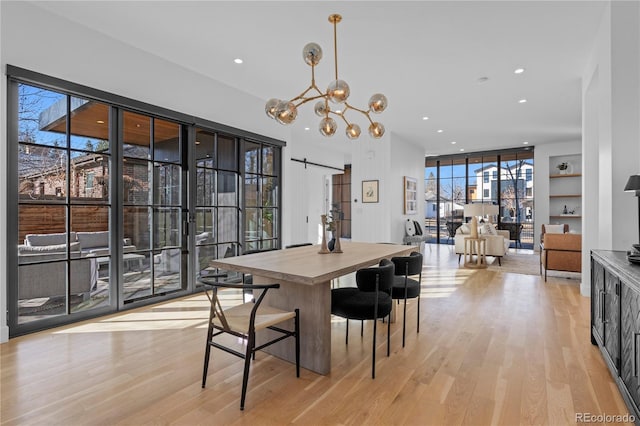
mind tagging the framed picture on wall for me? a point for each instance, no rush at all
(370, 191)
(410, 195)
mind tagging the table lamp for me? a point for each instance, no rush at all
(633, 185)
(472, 211)
(490, 210)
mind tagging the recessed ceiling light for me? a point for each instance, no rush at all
(100, 122)
(518, 71)
(453, 142)
(440, 130)
(522, 101)
(425, 118)
(526, 142)
(461, 149)
(306, 128)
(483, 79)
(237, 60)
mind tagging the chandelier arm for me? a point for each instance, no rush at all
(305, 100)
(303, 94)
(343, 118)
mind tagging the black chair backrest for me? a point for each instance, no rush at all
(366, 277)
(414, 261)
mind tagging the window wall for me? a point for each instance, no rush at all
(502, 178)
(120, 204)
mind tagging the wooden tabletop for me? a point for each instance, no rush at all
(305, 265)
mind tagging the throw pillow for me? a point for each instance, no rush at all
(488, 229)
(464, 229)
(417, 227)
(554, 229)
(409, 229)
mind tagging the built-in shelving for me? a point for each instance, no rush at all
(565, 191)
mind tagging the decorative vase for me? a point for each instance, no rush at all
(337, 248)
(323, 245)
(331, 245)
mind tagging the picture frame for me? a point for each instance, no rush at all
(370, 191)
(410, 195)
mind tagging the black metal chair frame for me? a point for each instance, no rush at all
(250, 336)
(405, 272)
(375, 324)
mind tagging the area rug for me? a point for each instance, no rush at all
(527, 264)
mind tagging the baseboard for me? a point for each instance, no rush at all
(4, 334)
(585, 289)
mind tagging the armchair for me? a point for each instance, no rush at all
(561, 252)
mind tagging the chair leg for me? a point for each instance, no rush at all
(404, 321)
(361, 328)
(418, 322)
(207, 352)
(297, 328)
(373, 351)
(499, 260)
(346, 338)
(247, 363)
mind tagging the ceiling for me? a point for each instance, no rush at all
(427, 57)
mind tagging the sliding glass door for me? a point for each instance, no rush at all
(114, 203)
(153, 249)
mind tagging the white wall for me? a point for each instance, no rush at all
(304, 199)
(611, 134)
(387, 160)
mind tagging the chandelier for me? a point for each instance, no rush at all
(285, 112)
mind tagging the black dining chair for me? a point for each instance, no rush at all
(370, 300)
(407, 288)
(244, 320)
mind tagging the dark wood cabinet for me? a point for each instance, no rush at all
(630, 341)
(615, 320)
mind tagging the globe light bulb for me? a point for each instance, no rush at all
(328, 126)
(270, 107)
(321, 108)
(312, 53)
(376, 130)
(378, 103)
(286, 112)
(353, 131)
(338, 91)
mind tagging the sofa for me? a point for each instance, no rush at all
(561, 252)
(39, 275)
(497, 244)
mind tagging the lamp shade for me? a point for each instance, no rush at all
(633, 184)
(472, 210)
(480, 209)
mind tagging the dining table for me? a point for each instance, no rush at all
(305, 277)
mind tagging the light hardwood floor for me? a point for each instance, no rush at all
(493, 348)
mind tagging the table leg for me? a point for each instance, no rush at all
(314, 302)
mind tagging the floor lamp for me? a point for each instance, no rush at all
(633, 185)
